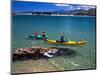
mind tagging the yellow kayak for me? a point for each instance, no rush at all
(65, 43)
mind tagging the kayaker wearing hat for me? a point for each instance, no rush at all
(62, 38)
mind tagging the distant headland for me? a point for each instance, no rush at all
(81, 12)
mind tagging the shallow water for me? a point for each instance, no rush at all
(74, 27)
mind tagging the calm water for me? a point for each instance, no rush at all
(75, 28)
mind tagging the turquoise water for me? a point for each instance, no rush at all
(75, 28)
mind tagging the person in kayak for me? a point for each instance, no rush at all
(44, 35)
(36, 34)
(62, 38)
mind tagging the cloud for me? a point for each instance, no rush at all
(85, 7)
(78, 8)
(59, 4)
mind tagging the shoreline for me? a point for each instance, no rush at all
(57, 15)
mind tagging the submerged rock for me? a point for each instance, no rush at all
(36, 53)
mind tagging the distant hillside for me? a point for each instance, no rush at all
(60, 12)
(90, 12)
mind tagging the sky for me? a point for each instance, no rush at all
(22, 6)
